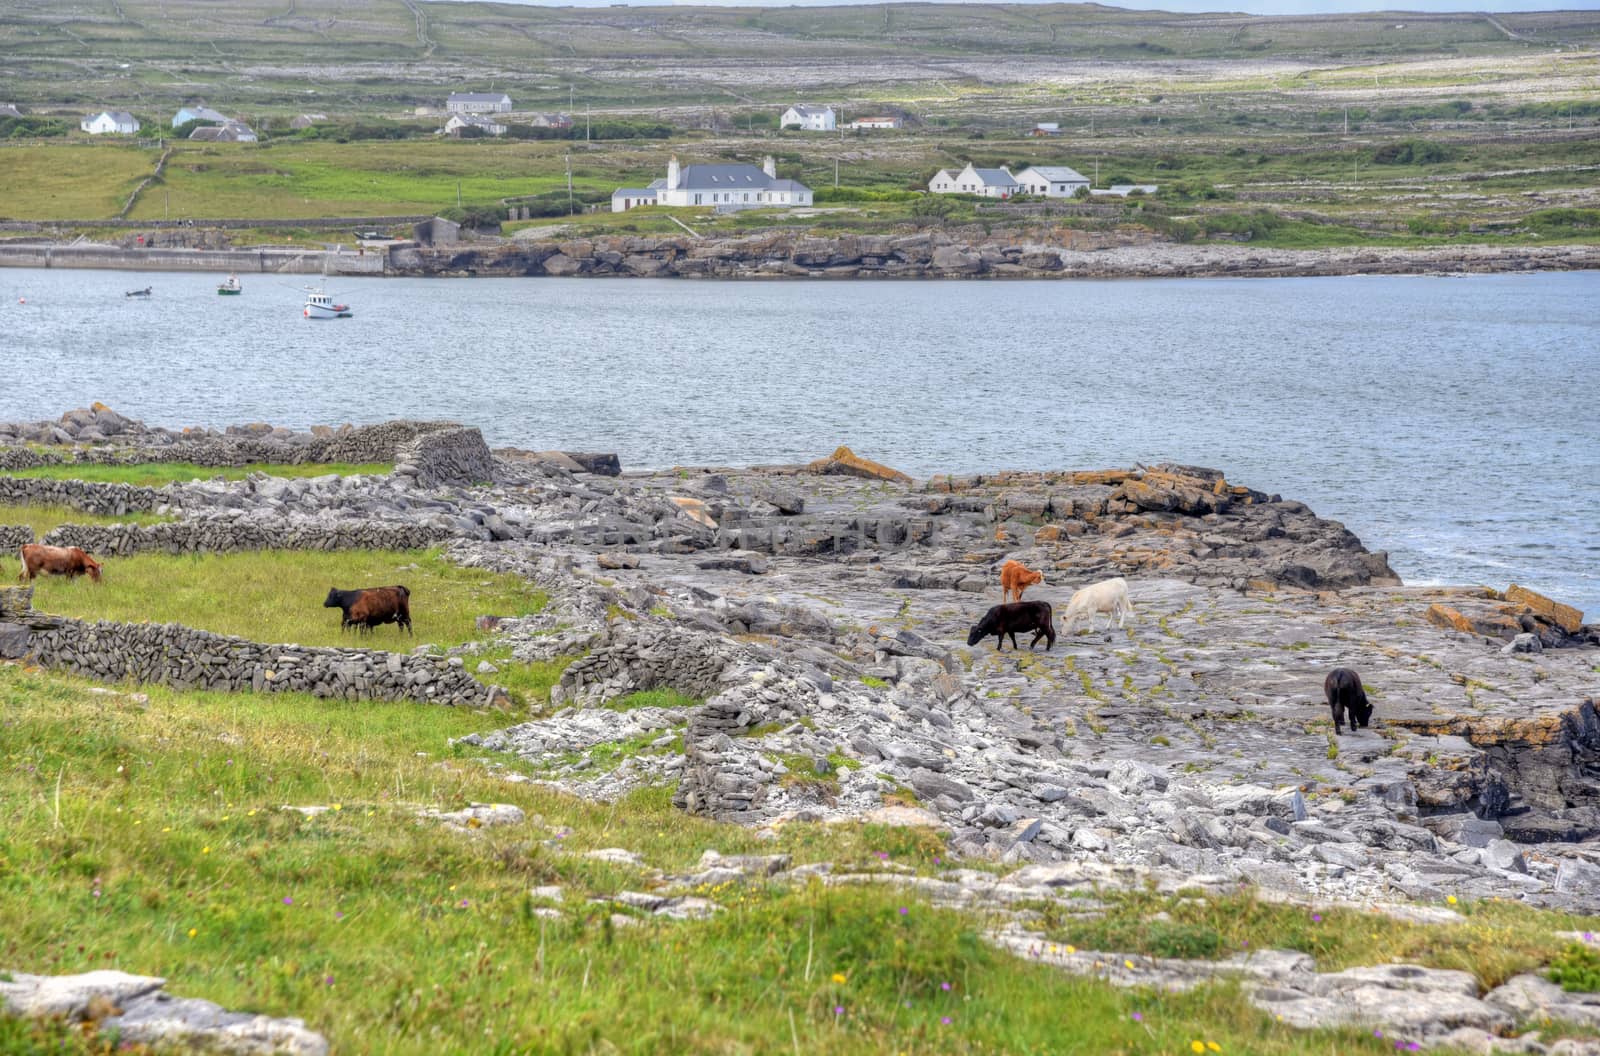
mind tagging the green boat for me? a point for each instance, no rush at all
(230, 287)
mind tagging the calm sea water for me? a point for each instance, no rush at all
(1454, 422)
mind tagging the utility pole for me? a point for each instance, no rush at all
(458, 194)
(1097, 172)
(570, 209)
(586, 110)
(1347, 120)
(836, 174)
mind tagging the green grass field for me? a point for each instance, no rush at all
(155, 474)
(276, 596)
(43, 518)
(147, 834)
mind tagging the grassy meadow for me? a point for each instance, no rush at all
(44, 518)
(276, 595)
(156, 474)
(147, 832)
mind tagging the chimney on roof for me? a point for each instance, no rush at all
(769, 166)
(674, 173)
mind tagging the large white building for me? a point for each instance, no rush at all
(478, 103)
(809, 118)
(723, 187)
(1050, 181)
(989, 183)
(118, 121)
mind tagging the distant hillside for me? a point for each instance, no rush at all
(396, 54)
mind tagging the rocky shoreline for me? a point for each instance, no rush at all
(815, 618)
(957, 254)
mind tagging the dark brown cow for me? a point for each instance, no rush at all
(376, 606)
(1344, 691)
(56, 561)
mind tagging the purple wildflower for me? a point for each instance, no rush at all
(1137, 1017)
(288, 900)
(904, 911)
(944, 986)
(838, 1010)
(944, 1020)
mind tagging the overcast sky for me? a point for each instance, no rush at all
(1254, 7)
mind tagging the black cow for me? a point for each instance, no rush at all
(1003, 620)
(1343, 689)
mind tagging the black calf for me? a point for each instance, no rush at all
(1003, 620)
(1343, 689)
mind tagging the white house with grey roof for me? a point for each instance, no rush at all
(116, 121)
(809, 118)
(1050, 181)
(989, 183)
(198, 112)
(725, 188)
(478, 103)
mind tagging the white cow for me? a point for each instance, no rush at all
(1108, 596)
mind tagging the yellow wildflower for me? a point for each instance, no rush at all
(1198, 1046)
(838, 977)
(193, 932)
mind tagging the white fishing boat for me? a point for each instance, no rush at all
(229, 286)
(320, 306)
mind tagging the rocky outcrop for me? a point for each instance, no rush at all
(100, 435)
(137, 1011)
(962, 252)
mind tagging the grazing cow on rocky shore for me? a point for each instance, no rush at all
(56, 561)
(1015, 577)
(1344, 691)
(371, 607)
(1003, 620)
(1109, 596)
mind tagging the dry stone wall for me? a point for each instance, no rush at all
(216, 535)
(106, 500)
(12, 537)
(446, 456)
(189, 659)
(123, 441)
(646, 656)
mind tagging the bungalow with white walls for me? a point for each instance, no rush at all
(725, 188)
(227, 132)
(119, 122)
(809, 118)
(989, 183)
(459, 122)
(876, 122)
(1050, 181)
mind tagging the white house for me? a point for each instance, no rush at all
(990, 183)
(478, 103)
(119, 121)
(876, 122)
(8, 110)
(1050, 181)
(300, 121)
(725, 188)
(457, 122)
(551, 121)
(809, 118)
(197, 112)
(227, 132)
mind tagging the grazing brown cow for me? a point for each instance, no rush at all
(1015, 577)
(56, 561)
(376, 606)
